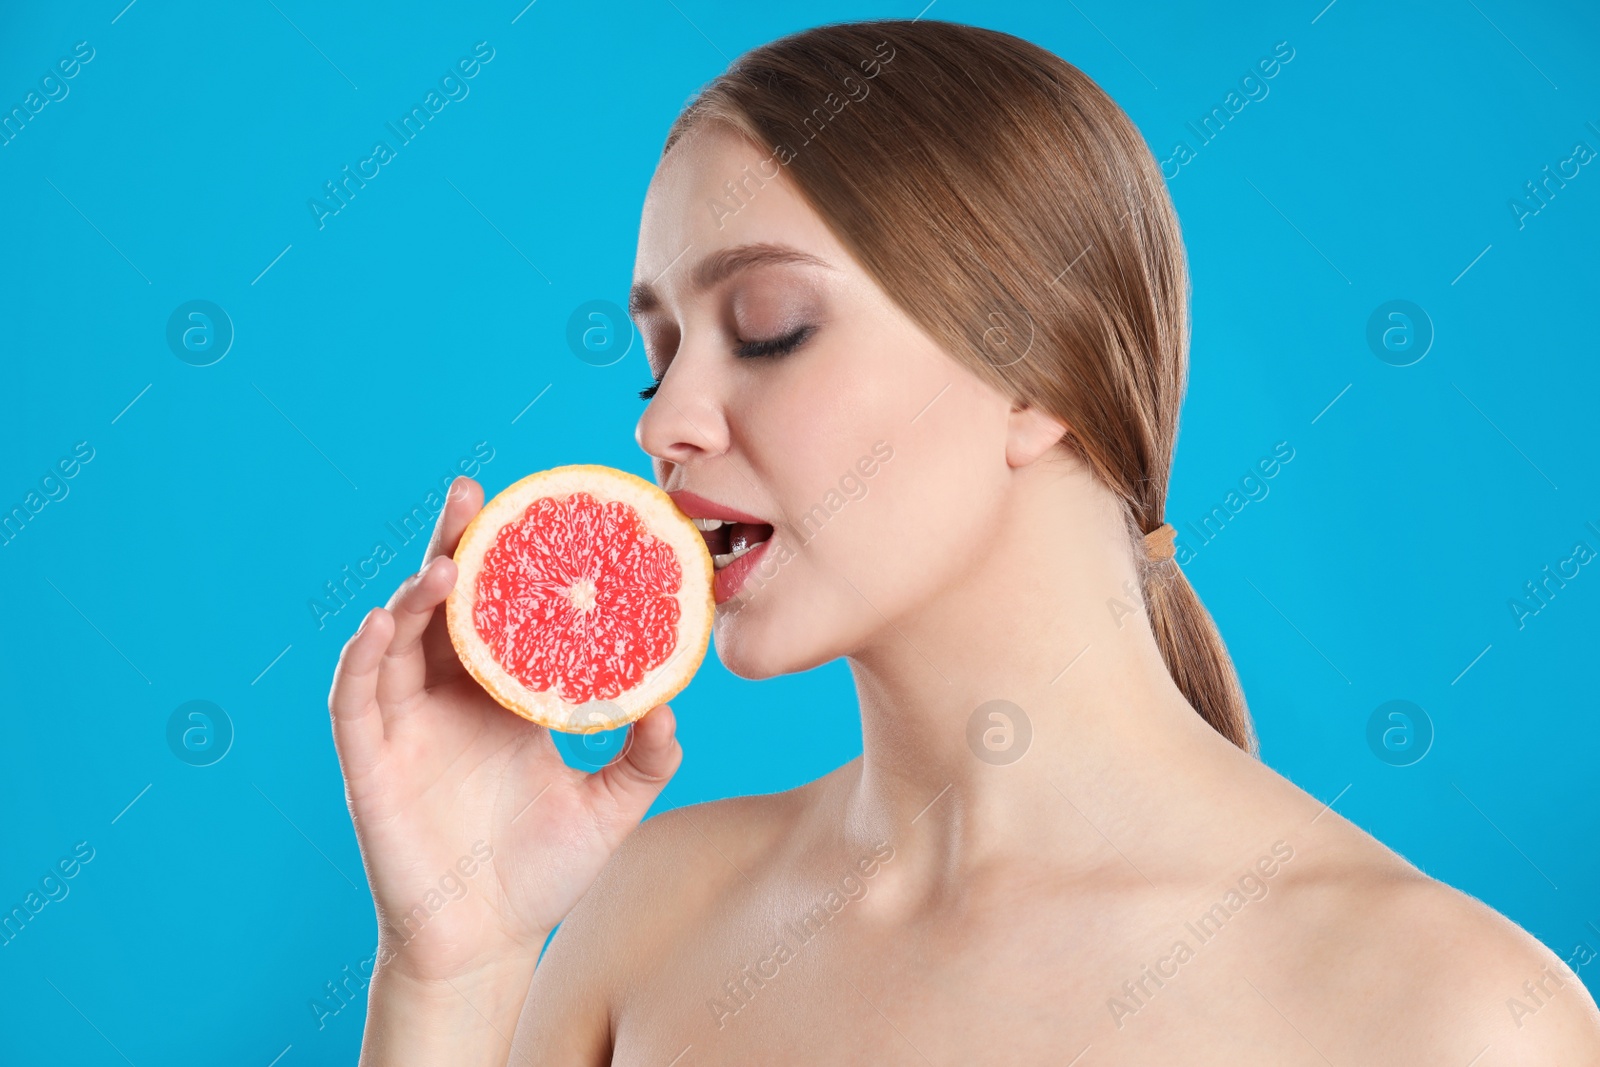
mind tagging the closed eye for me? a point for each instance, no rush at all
(774, 346)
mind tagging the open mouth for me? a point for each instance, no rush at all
(728, 540)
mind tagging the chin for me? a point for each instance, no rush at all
(744, 644)
(756, 642)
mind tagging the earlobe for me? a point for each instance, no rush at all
(1030, 433)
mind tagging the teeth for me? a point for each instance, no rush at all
(707, 525)
(722, 561)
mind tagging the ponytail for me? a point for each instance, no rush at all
(1193, 649)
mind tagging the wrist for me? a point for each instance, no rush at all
(510, 960)
(469, 1018)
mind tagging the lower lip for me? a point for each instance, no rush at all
(727, 582)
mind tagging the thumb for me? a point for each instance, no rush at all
(625, 789)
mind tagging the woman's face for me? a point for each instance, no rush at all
(791, 390)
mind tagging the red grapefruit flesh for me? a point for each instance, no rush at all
(582, 598)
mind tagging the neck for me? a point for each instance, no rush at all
(1027, 713)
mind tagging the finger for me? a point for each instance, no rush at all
(405, 667)
(463, 500)
(624, 790)
(352, 699)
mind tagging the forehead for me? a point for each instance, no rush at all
(716, 190)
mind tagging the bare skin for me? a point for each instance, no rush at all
(933, 906)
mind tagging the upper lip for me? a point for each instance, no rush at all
(698, 507)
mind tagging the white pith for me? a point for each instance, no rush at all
(582, 594)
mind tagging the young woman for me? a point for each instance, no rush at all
(939, 264)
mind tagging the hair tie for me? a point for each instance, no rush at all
(1159, 543)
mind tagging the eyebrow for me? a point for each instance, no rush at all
(723, 264)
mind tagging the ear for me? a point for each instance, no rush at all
(1030, 433)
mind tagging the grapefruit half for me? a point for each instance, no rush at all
(582, 598)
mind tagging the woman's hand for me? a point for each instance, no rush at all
(476, 837)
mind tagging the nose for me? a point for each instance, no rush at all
(686, 420)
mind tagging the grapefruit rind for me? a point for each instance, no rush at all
(697, 606)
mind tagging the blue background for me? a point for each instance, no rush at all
(372, 354)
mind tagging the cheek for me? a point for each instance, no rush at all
(811, 430)
(915, 526)
(864, 547)
(799, 609)
(924, 514)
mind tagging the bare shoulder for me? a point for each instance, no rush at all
(690, 857)
(1476, 975)
(660, 886)
(1407, 969)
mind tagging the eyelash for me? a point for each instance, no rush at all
(774, 346)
